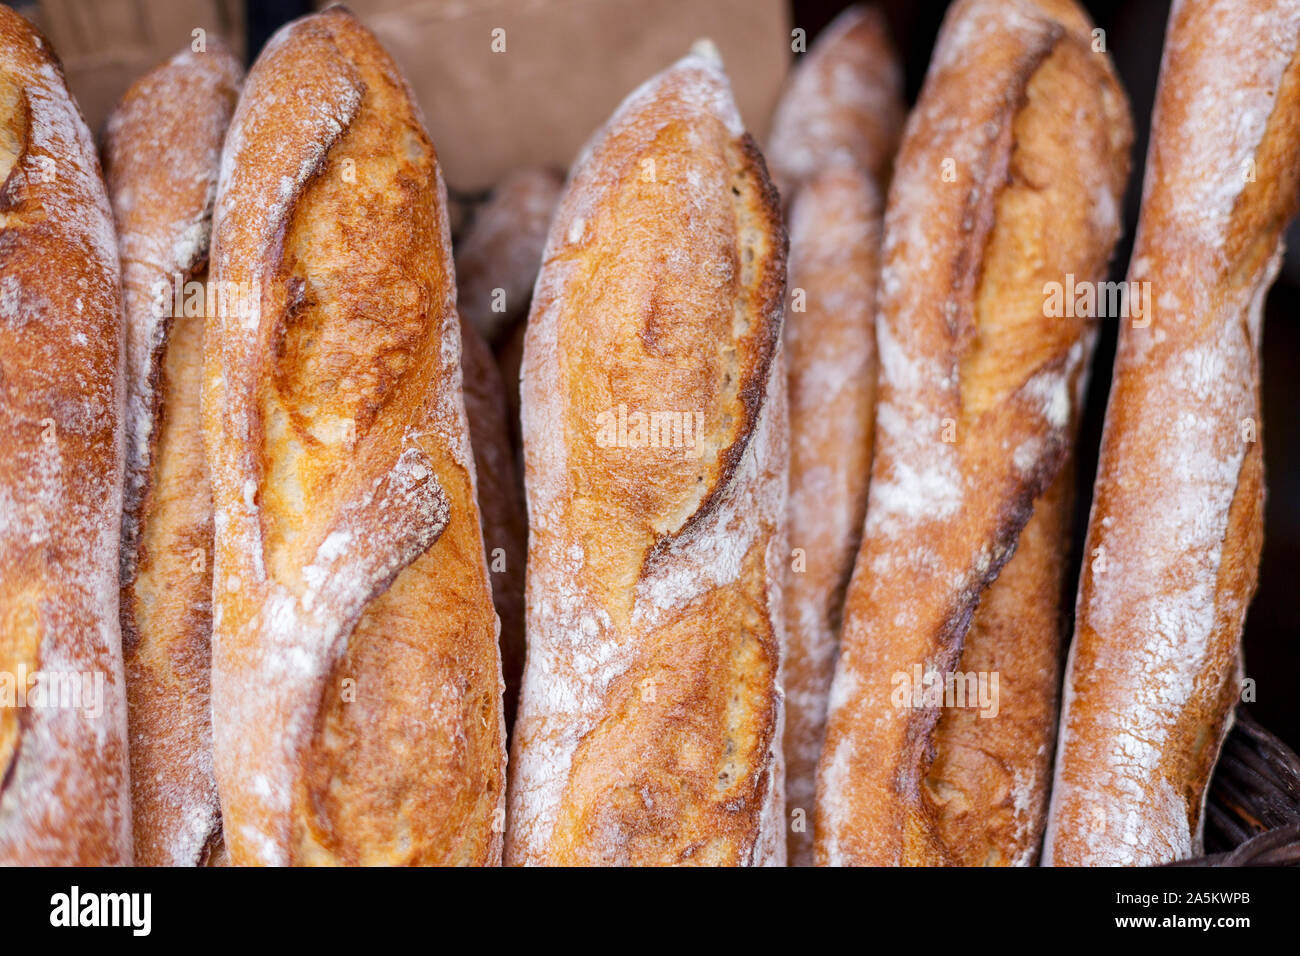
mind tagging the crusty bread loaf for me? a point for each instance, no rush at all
(830, 344)
(843, 101)
(988, 784)
(356, 683)
(500, 501)
(1177, 515)
(838, 125)
(500, 252)
(64, 790)
(650, 722)
(1009, 177)
(497, 259)
(162, 150)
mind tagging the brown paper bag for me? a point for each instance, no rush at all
(106, 45)
(506, 83)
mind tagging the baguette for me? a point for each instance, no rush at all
(1176, 527)
(64, 788)
(988, 784)
(162, 150)
(649, 727)
(831, 359)
(1009, 177)
(498, 257)
(843, 102)
(505, 526)
(839, 124)
(496, 265)
(497, 260)
(356, 683)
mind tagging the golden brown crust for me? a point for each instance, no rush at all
(650, 719)
(843, 101)
(830, 356)
(834, 136)
(1009, 177)
(988, 785)
(505, 524)
(1177, 517)
(64, 790)
(356, 678)
(162, 150)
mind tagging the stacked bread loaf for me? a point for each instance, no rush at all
(160, 163)
(654, 426)
(734, 505)
(1009, 177)
(835, 133)
(1177, 522)
(65, 795)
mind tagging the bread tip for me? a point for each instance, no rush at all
(339, 9)
(706, 49)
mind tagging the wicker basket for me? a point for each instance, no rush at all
(1252, 815)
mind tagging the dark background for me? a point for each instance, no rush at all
(1134, 37)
